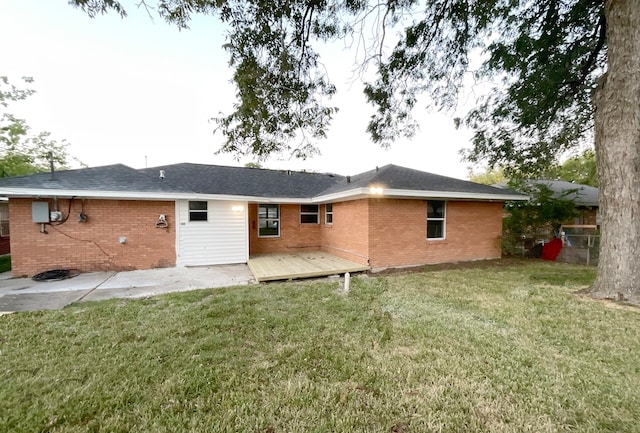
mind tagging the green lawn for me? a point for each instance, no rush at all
(5, 263)
(495, 349)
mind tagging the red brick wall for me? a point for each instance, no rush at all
(387, 232)
(294, 237)
(348, 236)
(93, 245)
(398, 233)
(586, 216)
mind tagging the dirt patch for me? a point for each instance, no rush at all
(476, 264)
(584, 295)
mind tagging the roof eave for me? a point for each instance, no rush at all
(358, 193)
(115, 195)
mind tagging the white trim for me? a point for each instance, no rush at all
(357, 193)
(177, 224)
(326, 212)
(353, 194)
(443, 219)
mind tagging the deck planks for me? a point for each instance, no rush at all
(272, 267)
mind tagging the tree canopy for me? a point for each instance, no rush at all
(21, 151)
(541, 58)
(580, 169)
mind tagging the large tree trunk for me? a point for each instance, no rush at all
(617, 135)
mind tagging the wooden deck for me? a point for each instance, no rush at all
(271, 267)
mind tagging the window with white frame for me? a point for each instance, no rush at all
(328, 213)
(309, 214)
(436, 219)
(268, 220)
(198, 211)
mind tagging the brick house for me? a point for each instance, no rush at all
(119, 218)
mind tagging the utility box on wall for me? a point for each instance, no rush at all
(40, 211)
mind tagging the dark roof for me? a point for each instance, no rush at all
(396, 177)
(241, 181)
(581, 195)
(117, 177)
(254, 182)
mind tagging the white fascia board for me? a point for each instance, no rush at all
(134, 195)
(352, 194)
(454, 195)
(407, 193)
(117, 195)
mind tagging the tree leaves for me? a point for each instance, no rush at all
(21, 152)
(542, 59)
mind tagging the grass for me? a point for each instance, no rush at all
(500, 349)
(5, 263)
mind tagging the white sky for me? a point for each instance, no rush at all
(140, 92)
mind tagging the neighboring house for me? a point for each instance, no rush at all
(119, 218)
(5, 243)
(585, 198)
(579, 231)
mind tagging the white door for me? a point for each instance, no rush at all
(211, 232)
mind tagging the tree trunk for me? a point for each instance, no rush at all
(617, 136)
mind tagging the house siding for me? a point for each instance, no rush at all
(93, 245)
(398, 233)
(222, 239)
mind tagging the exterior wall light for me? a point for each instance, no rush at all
(237, 208)
(376, 190)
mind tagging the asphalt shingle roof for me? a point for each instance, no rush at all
(241, 181)
(581, 195)
(117, 177)
(396, 177)
(253, 182)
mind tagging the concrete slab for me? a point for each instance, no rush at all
(39, 301)
(152, 282)
(24, 294)
(87, 281)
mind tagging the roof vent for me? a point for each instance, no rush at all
(53, 171)
(377, 168)
(288, 172)
(348, 179)
(161, 174)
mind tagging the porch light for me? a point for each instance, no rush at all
(237, 208)
(376, 190)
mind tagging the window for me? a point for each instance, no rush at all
(436, 219)
(4, 219)
(197, 211)
(328, 213)
(268, 220)
(309, 214)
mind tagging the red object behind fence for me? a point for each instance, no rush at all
(551, 249)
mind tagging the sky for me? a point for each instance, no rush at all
(138, 91)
